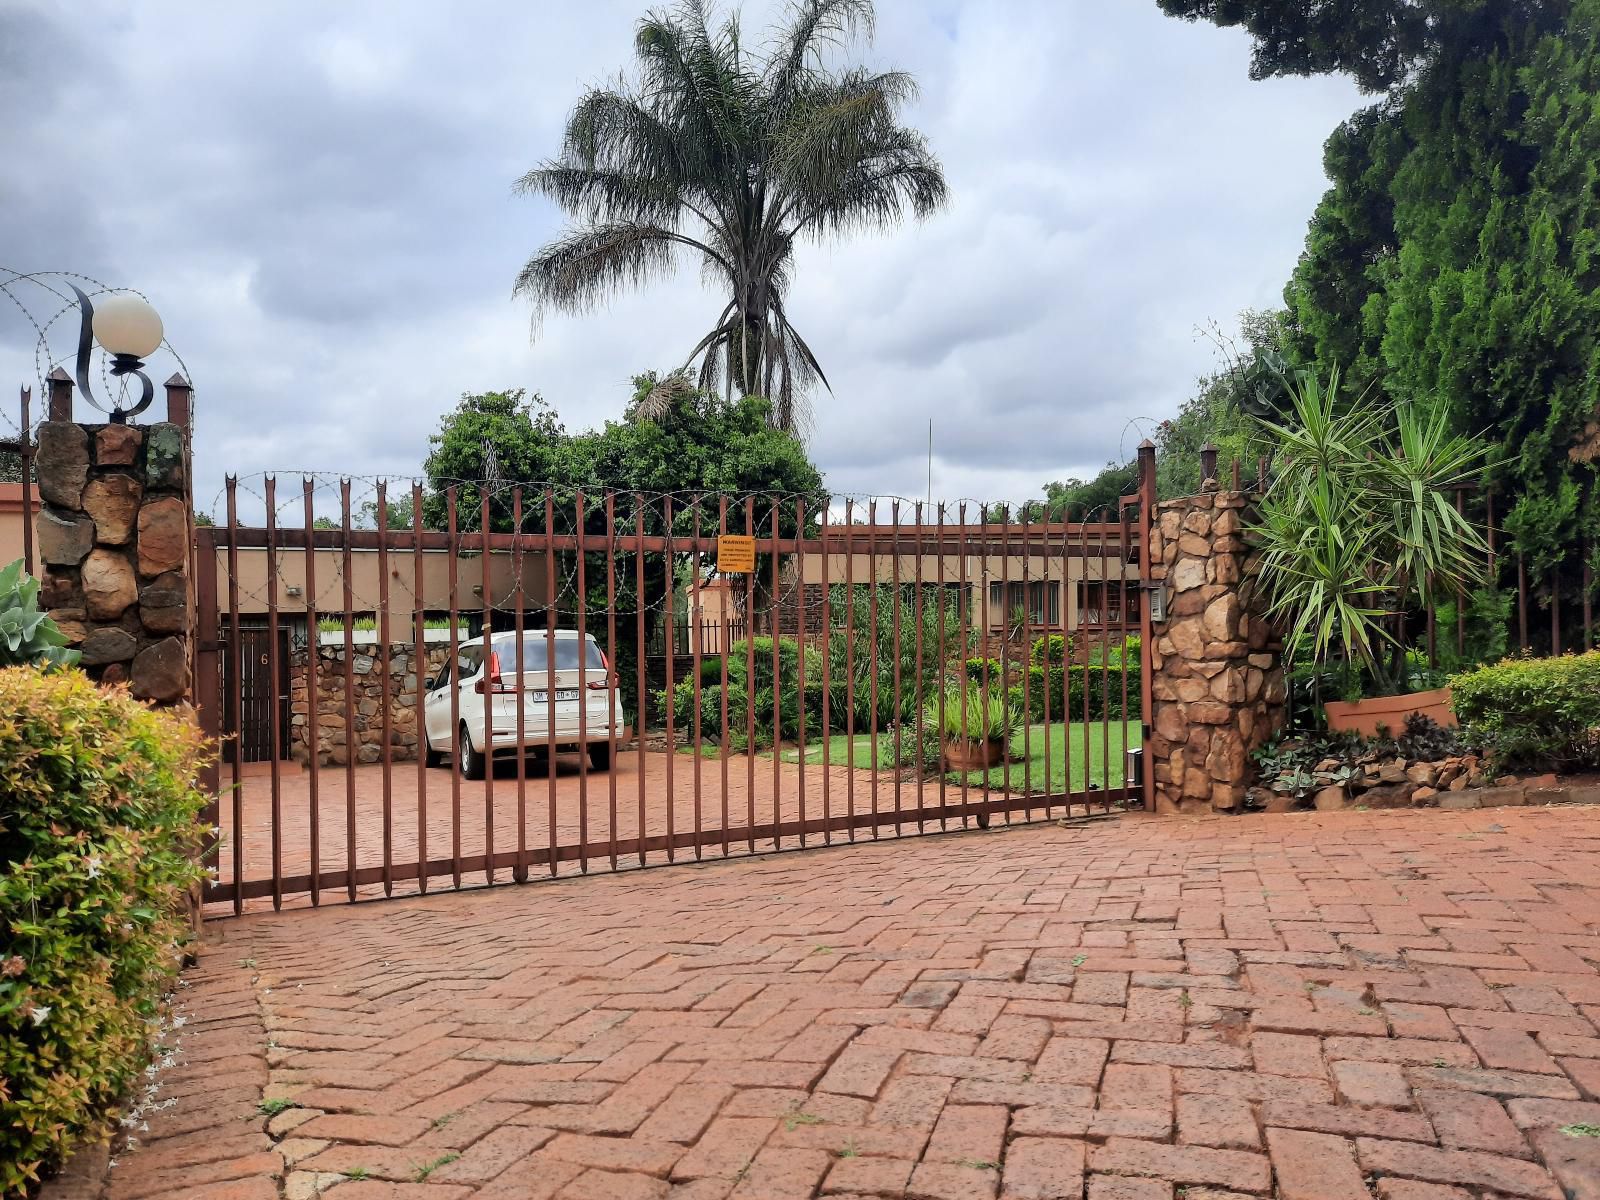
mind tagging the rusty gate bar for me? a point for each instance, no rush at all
(519, 597)
(550, 669)
(725, 645)
(235, 682)
(273, 666)
(872, 679)
(966, 626)
(824, 517)
(582, 626)
(486, 644)
(421, 671)
(207, 690)
(638, 606)
(1027, 660)
(451, 518)
(313, 690)
(671, 626)
(750, 673)
(777, 676)
(384, 683)
(794, 588)
(944, 662)
(25, 452)
(613, 672)
(918, 615)
(850, 666)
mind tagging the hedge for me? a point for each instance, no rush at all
(99, 825)
(788, 698)
(1539, 713)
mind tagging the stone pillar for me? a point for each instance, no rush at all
(114, 538)
(1217, 683)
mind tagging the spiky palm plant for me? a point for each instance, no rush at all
(732, 155)
(1360, 524)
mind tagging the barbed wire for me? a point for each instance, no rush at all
(773, 514)
(43, 360)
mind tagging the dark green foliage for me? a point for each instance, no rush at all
(732, 154)
(698, 445)
(790, 715)
(1452, 260)
(99, 828)
(872, 650)
(1379, 42)
(1536, 713)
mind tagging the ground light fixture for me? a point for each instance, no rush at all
(129, 330)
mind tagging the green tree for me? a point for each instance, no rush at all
(692, 450)
(1452, 262)
(733, 155)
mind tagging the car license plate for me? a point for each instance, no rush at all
(542, 696)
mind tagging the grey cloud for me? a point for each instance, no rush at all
(318, 198)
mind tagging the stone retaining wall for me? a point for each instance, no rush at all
(1217, 684)
(366, 673)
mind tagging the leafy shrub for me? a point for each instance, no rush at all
(99, 826)
(740, 692)
(1540, 713)
(1102, 707)
(28, 637)
(1052, 650)
(867, 651)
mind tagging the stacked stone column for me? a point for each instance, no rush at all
(114, 535)
(1217, 685)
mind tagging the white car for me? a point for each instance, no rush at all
(587, 705)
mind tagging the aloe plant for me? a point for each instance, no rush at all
(28, 637)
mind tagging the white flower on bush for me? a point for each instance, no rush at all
(40, 1013)
(95, 863)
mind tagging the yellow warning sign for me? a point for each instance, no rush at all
(736, 554)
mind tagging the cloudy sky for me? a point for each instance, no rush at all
(318, 199)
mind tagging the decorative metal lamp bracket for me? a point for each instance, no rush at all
(121, 364)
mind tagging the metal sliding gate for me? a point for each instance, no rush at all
(493, 685)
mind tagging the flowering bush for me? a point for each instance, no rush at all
(99, 831)
(1538, 713)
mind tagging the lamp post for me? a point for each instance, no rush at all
(128, 329)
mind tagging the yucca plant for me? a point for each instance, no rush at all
(1360, 526)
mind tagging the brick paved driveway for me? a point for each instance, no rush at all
(1400, 1005)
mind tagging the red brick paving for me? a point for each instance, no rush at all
(582, 803)
(1399, 1006)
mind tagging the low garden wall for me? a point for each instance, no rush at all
(363, 728)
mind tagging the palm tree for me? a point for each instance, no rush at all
(732, 155)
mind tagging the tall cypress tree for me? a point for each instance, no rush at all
(1453, 259)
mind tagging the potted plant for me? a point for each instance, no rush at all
(1360, 527)
(974, 725)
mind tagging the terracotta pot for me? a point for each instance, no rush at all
(962, 754)
(1364, 716)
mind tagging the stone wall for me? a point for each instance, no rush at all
(1217, 684)
(113, 534)
(366, 671)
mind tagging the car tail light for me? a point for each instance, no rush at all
(610, 680)
(491, 680)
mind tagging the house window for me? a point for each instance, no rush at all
(1108, 602)
(1042, 598)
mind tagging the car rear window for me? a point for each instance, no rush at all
(535, 654)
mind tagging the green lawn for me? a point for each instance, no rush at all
(1037, 769)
